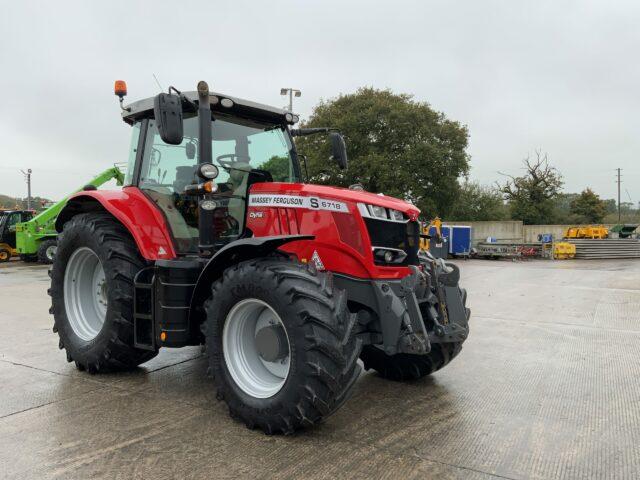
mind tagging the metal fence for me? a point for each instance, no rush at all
(511, 231)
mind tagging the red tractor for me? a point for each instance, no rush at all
(216, 240)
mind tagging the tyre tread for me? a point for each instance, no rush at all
(404, 366)
(330, 346)
(123, 261)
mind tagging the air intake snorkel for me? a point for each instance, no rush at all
(206, 205)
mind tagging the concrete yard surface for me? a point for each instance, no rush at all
(547, 386)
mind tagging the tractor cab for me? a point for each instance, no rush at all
(244, 152)
(240, 142)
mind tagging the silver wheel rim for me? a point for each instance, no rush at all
(50, 252)
(85, 293)
(254, 375)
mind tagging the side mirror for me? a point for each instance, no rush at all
(338, 150)
(167, 109)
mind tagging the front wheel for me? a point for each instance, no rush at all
(47, 250)
(407, 366)
(281, 344)
(5, 255)
(92, 294)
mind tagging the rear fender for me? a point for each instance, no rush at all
(134, 210)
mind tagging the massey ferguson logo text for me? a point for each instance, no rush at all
(282, 200)
(296, 201)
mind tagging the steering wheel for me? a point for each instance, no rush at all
(228, 164)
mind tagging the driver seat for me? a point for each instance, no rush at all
(185, 175)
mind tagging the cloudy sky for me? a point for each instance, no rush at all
(562, 77)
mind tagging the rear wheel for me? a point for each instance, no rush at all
(92, 294)
(47, 250)
(5, 255)
(281, 344)
(406, 366)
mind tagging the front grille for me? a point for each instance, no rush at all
(401, 236)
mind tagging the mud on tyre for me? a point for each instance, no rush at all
(252, 301)
(92, 294)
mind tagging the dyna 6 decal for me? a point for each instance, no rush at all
(296, 201)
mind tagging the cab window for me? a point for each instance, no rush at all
(133, 150)
(13, 219)
(165, 171)
(239, 147)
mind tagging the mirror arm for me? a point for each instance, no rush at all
(183, 97)
(304, 162)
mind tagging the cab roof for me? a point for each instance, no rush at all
(144, 108)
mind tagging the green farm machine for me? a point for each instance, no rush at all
(36, 239)
(9, 219)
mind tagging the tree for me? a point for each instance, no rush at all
(611, 205)
(531, 196)
(562, 208)
(278, 167)
(588, 207)
(477, 202)
(396, 146)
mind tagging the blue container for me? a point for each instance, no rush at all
(545, 238)
(460, 242)
(446, 232)
(440, 250)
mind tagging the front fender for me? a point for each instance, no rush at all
(134, 210)
(234, 253)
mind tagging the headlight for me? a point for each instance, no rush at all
(378, 212)
(207, 171)
(396, 215)
(388, 255)
(381, 213)
(226, 102)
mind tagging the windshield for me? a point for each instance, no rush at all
(239, 146)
